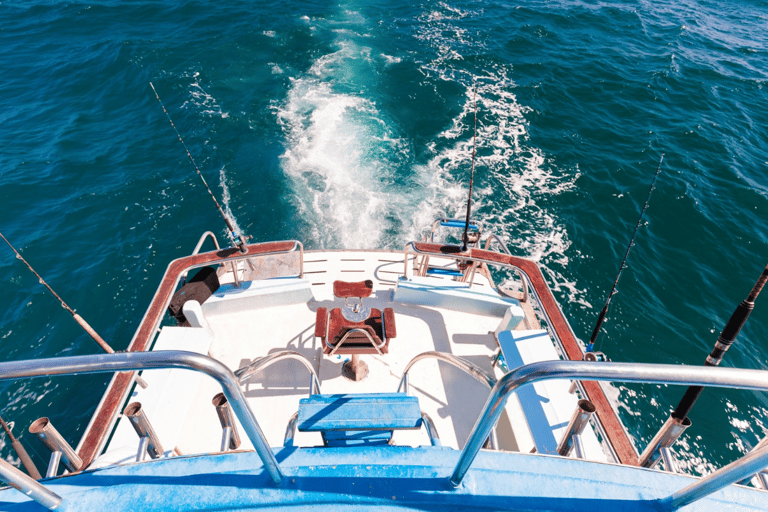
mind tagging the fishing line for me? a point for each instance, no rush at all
(601, 318)
(465, 238)
(237, 239)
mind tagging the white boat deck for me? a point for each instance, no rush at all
(257, 319)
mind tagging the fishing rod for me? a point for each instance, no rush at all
(723, 343)
(237, 239)
(98, 339)
(601, 318)
(26, 460)
(465, 238)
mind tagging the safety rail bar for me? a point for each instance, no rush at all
(445, 221)
(261, 363)
(202, 240)
(128, 361)
(606, 420)
(462, 364)
(117, 391)
(756, 380)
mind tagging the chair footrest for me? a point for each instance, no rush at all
(437, 271)
(361, 412)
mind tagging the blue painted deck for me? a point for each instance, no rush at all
(382, 478)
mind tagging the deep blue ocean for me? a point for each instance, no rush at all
(350, 125)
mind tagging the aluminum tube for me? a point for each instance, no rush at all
(749, 464)
(669, 460)
(260, 364)
(107, 363)
(141, 453)
(579, 420)
(28, 486)
(429, 426)
(664, 438)
(290, 430)
(227, 421)
(143, 428)
(53, 465)
(603, 371)
(462, 364)
(51, 438)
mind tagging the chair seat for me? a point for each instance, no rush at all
(332, 328)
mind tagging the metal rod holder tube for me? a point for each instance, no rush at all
(578, 447)
(28, 485)
(669, 460)
(664, 438)
(143, 428)
(227, 420)
(579, 420)
(51, 438)
(723, 477)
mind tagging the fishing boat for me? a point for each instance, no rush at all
(442, 376)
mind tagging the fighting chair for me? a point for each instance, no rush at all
(355, 329)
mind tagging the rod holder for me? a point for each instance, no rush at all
(664, 438)
(579, 420)
(51, 438)
(143, 428)
(227, 420)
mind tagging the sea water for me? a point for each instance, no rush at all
(352, 125)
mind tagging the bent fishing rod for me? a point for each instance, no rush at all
(237, 238)
(601, 318)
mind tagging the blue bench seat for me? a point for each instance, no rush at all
(358, 419)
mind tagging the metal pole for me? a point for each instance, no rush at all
(28, 486)
(118, 362)
(604, 371)
(723, 477)
(227, 422)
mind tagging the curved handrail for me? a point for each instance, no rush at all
(601, 371)
(498, 240)
(462, 364)
(261, 363)
(127, 361)
(202, 240)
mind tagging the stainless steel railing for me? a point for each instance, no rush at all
(260, 364)
(462, 364)
(624, 372)
(126, 361)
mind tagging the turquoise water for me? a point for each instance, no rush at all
(350, 125)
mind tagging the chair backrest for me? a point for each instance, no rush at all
(345, 290)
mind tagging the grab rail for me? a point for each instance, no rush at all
(756, 380)
(261, 363)
(127, 361)
(202, 239)
(462, 364)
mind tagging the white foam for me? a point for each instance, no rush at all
(341, 154)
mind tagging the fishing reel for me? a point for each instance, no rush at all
(596, 356)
